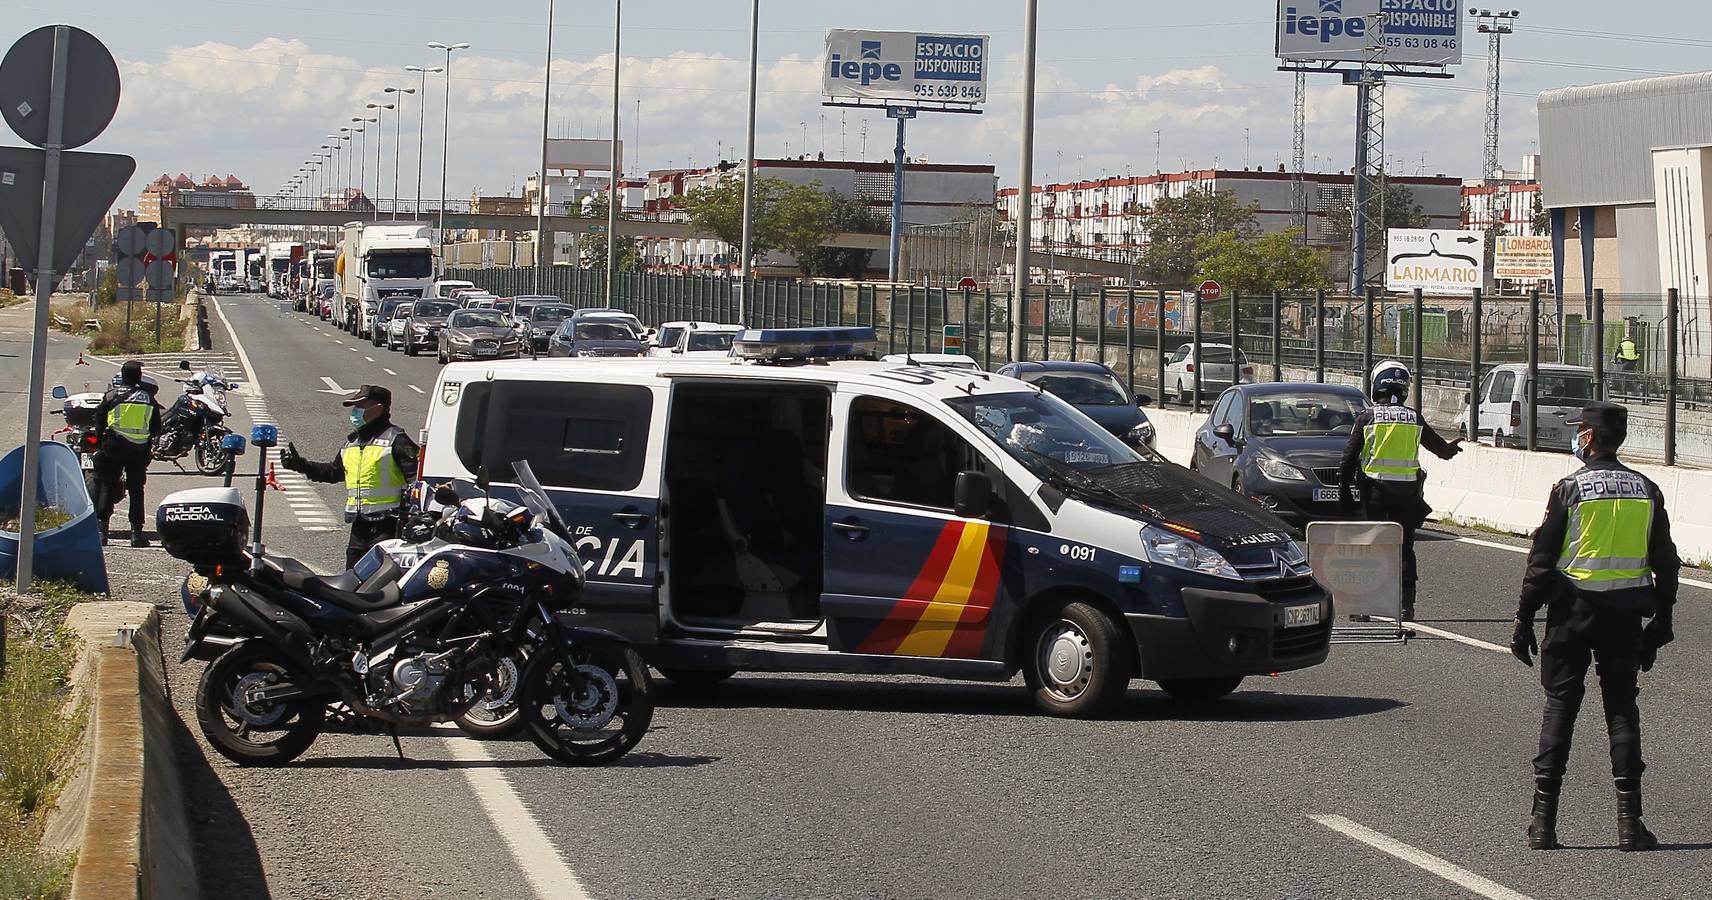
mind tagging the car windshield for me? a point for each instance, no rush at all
(710, 340)
(403, 310)
(604, 331)
(477, 318)
(668, 336)
(1304, 413)
(549, 315)
(504, 306)
(1081, 388)
(1563, 390)
(1043, 433)
(441, 308)
(415, 264)
(388, 307)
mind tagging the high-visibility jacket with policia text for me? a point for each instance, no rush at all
(1391, 448)
(374, 483)
(131, 416)
(1605, 537)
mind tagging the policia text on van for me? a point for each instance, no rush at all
(856, 516)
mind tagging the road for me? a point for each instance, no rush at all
(1390, 771)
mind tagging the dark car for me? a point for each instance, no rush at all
(596, 336)
(1280, 444)
(544, 319)
(1095, 391)
(479, 334)
(383, 316)
(427, 318)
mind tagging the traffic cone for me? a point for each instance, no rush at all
(272, 481)
(80, 360)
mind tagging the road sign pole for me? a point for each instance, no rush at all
(44, 293)
(893, 272)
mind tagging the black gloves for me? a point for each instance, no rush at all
(289, 457)
(1455, 448)
(1522, 643)
(1657, 634)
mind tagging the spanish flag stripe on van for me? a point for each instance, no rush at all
(946, 610)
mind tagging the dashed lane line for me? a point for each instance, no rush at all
(1419, 858)
(1704, 585)
(369, 358)
(531, 848)
(389, 372)
(414, 388)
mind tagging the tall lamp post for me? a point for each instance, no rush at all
(379, 140)
(362, 155)
(749, 165)
(541, 180)
(613, 198)
(445, 136)
(422, 126)
(1025, 191)
(397, 142)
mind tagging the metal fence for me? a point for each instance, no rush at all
(1452, 344)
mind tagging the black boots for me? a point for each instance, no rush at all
(137, 539)
(1542, 831)
(1632, 833)
(1408, 604)
(103, 534)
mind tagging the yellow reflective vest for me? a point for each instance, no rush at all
(1610, 530)
(373, 481)
(132, 418)
(1392, 447)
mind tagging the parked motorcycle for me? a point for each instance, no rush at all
(386, 644)
(81, 431)
(194, 424)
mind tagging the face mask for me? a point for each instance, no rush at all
(1580, 448)
(356, 417)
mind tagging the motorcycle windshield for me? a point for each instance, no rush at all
(534, 496)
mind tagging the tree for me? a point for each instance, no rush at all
(1175, 225)
(847, 214)
(794, 218)
(1401, 211)
(1542, 217)
(592, 246)
(718, 208)
(1257, 266)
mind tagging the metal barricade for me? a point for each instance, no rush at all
(1361, 564)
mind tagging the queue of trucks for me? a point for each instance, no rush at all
(372, 262)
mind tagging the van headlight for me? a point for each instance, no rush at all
(1279, 470)
(1179, 552)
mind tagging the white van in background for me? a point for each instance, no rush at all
(1561, 392)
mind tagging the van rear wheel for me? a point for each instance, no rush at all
(1076, 664)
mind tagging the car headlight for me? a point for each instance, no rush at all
(419, 329)
(459, 338)
(1140, 434)
(1279, 470)
(1179, 552)
(585, 352)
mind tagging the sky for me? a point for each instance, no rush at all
(252, 88)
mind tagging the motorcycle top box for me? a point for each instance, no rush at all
(205, 527)
(80, 410)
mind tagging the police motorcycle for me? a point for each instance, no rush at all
(82, 432)
(382, 645)
(194, 423)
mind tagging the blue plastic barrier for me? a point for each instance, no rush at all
(71, 552)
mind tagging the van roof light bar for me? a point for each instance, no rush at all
(778, 345)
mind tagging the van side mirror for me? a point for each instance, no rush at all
(59, 392)
(1227, 433)
(973, 496)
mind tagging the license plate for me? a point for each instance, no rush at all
(1325, 495)
(487, 351)
(87, 462)
(1298, 616)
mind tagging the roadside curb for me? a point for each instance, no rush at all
(123, 812)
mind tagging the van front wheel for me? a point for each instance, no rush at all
(1076, 664)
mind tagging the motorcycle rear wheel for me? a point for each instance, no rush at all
(211, 457)
(598, 725)
(496, 714)
(234, 728)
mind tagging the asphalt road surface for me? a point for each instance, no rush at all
(1390, 771)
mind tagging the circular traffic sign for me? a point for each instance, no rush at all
(160, 241)
(1210, 291)
(91, 86)
(967, 283)
(129, 241)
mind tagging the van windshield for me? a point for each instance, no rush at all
(1041, 432)
(403, 264)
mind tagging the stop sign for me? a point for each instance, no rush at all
(1210, 291)
(967, 284)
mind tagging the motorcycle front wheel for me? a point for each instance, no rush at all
(254, 734)
(211, 456)
(597, 723)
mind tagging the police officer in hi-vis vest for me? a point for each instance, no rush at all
(129, 419)
(1602, 562)
(376, 466)
(1383, 459)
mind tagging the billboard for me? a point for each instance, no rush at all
(1522, 258)
(583, 155)
(1417, 32)
(905, 67)
(1435, 260)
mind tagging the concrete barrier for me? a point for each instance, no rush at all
(1504, 490)
(123, 811)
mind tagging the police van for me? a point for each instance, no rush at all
(806, 508)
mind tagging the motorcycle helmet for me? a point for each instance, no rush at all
(1389, 383)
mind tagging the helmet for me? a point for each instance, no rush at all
(1389, 383)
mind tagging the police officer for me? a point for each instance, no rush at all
(1382, 458)
(1628, 356)
(129, 419)
(1602, 561)
(376, 465)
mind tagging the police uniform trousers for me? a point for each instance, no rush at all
(1578, 632)
(367, 531)
(1403, 505)
(113, 463)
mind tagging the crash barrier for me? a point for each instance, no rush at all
(1504, 489)
(1450, 341)
(195, 318)
(123, 810)
(71, 551)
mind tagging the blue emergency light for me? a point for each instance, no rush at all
(264, 435)
(233, 444)
(804, 344)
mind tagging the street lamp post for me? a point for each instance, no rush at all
(379, 140)
(749, 166)
(445, 138)
(362, 154)
(422, 126)
(613, 199)
(1025, 190)
(397, 142)
(541, 179)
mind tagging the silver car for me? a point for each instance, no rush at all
(479, 334)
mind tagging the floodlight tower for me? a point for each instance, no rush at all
(1495, 23)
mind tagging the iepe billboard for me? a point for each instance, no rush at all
(905, 67)
(1417, 32)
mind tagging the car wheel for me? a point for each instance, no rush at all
(1075, 662)
(1200, 690)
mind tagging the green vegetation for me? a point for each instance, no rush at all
(112, 338)
(794, 218)
(47, 519)
(593, 245)
(1178, 226)
(1272, 262)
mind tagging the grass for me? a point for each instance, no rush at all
(7, 298)
(112, 339)
(39, 732)
(47, 519)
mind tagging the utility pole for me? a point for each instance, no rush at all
(541, 248)
(1025, 184)
(1495, 23)
(749, 168)
(614, 197)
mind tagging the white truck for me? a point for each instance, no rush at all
(379, 260)
(280, 255)
(222, 268)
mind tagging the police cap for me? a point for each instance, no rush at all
(370, 393)
(1603, 416)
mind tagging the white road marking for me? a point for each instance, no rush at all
(1450, 872)
(1459, 638)
(1704, 585)
(530, 847)
(414, 388)
(369, 358)
(255, 382)
(388, 371)
(355, 350)
(332, 387)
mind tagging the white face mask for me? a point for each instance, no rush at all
(1582, 439)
